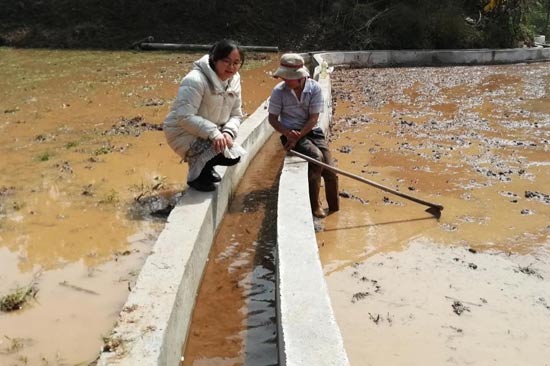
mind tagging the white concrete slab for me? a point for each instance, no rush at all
(388, 58)
(308, 333)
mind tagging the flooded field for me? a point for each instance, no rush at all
(82, 153)
(468, 288)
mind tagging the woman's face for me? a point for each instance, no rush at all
(228, 66)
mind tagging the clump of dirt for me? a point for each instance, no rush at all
(346, 194)
(459, 307)
(359, 296)
(345, 149)
(528, 270)
(134, 126)
(538, 196)
(4, 193)
(157, 205)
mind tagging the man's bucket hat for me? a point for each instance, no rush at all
(291, 67)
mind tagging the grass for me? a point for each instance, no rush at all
(71, 144)
(253, 61)
(45, 156)
(13, 345)
(103, 150)
(159, 183)
(110, 198)
(17, 299)
(144, 189)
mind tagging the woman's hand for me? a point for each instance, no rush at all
(222, 141)
(219, 143)
(228, 140)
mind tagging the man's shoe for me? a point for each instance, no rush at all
(213, 176)
(202, 185)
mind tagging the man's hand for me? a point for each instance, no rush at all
(294, 135)
(290, 145)
(292, 138)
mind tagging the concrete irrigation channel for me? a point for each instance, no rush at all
(154, 324)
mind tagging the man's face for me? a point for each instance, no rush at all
(293, 83)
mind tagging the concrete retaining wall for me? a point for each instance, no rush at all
(432, 57)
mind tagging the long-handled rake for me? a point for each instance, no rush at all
(433, 208)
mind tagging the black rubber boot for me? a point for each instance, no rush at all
(202, 186)
(203, 182)
(219, 159)
(222, 160)
(214, 176)
(332, 194)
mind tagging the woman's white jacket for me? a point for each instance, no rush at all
(204, 107)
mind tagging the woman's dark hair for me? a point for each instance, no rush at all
(221, 50)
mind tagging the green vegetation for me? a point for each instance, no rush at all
(45, 156)
(110, 198)
(105, 149)
(538, 18)
(71, 144)
(289, 24)
(16, 299)
(13, 345)
(145, 189)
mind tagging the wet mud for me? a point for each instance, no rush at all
(411, 288)
(86, 183)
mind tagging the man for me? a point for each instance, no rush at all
(294, 108)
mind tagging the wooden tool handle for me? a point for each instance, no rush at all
(361, 179)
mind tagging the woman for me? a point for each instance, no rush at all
(206, 115)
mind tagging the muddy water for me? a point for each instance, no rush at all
(234, 319)
(81, 156)
(411, 289)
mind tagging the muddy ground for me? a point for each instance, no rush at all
(469, 288)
